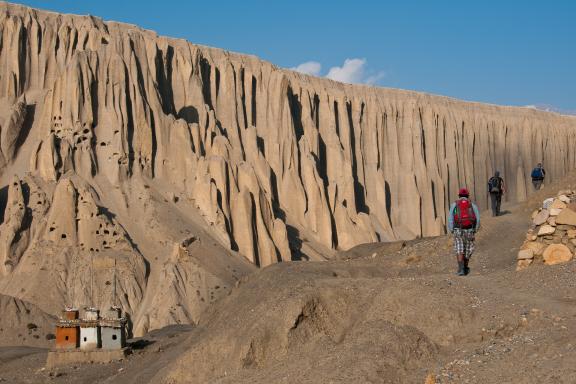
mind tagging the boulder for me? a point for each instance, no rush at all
(541, 217)
(567, 216)
(558, 204)
(536, 247)
(522, 264)
(525, 254)
(571, 233)
(555, 211)
(552, 221)
(531, 237)
(556, 254)
(546, 230)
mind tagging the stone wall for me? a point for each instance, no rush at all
(552, 235)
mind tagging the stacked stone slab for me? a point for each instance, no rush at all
(552, 235)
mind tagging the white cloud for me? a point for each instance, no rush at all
(375, 78)
(353, 71)
(309, 68)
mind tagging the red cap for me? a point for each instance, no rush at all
(463, 192)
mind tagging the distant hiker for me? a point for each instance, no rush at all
(463, 222)
(538, 175)
(496, 190)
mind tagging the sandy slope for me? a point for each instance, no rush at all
(22, 323)
(377, 316)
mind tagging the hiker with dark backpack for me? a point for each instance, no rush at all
(538, 175)
(496, 190)
(463, 222)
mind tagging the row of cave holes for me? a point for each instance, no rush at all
(82, 136)
(57, 122)
(104, 242)
(102, 143)
(216, 287)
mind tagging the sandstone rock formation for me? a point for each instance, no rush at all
(15, 235)
(135, 141)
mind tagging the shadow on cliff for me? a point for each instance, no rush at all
(295, 244)
(26, 127)
(3, 202)
(189, 114)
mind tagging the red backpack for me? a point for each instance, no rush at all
(464, 216)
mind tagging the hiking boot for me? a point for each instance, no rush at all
(461, 269)
(466, 269)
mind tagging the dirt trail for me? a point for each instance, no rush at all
(536, 348)
(8, 354)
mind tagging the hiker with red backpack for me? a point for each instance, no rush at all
(463, 222)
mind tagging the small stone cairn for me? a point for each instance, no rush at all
(552, 235)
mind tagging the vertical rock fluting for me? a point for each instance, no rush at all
(271, 158)
(15, 233)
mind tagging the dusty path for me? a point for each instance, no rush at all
(8, 354)
(536, 318)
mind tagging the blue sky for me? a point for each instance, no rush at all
(502, 52)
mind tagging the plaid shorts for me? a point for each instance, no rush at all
(464, 241)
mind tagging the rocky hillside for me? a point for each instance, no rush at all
(172, 168)
(24, 323)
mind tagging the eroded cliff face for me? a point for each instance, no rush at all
(263, 162)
